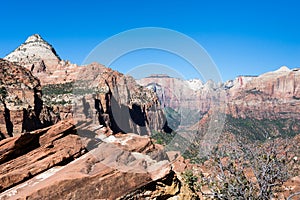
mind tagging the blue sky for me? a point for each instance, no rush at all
(242, 37)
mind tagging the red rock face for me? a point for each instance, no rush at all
(177, 93)
(28, 154)
(268, 96)
(271, 95)
(21, 103)
(116, 102)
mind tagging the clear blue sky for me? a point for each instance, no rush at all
(242, 37)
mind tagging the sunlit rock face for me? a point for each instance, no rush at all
(271, 95)
(35, 54)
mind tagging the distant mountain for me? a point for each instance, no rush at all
(250, 100)
(271, 95)
(177, 93)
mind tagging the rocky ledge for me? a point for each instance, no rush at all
(41, 165)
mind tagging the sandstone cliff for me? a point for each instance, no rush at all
(115, 101)
(93, 92)
(21, 103)
(271, 95)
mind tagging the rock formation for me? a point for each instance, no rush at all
(94, 92)
(35, 54)
(115, 101)
(21, 103)
(41, 59)
(116, 167)
(31, 153)
(271, 95)
(48, 124)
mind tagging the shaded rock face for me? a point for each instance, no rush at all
(115, 101)
(35, 54)
(92, 92)
(21, 103)
(164, 188)
(102, 95)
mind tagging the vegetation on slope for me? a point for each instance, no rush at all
(255, 129)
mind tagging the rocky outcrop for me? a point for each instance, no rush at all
(21, 103)
(115, 101)
(41, 59)
(35, 54)
(116, 167)
(93, 92)
(31, 153)
(106, 98)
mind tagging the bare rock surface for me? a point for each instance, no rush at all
(20, 100)
(31, 153)
(35, 54)
(270, 95)
(117, 167)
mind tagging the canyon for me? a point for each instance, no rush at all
(90, 132)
